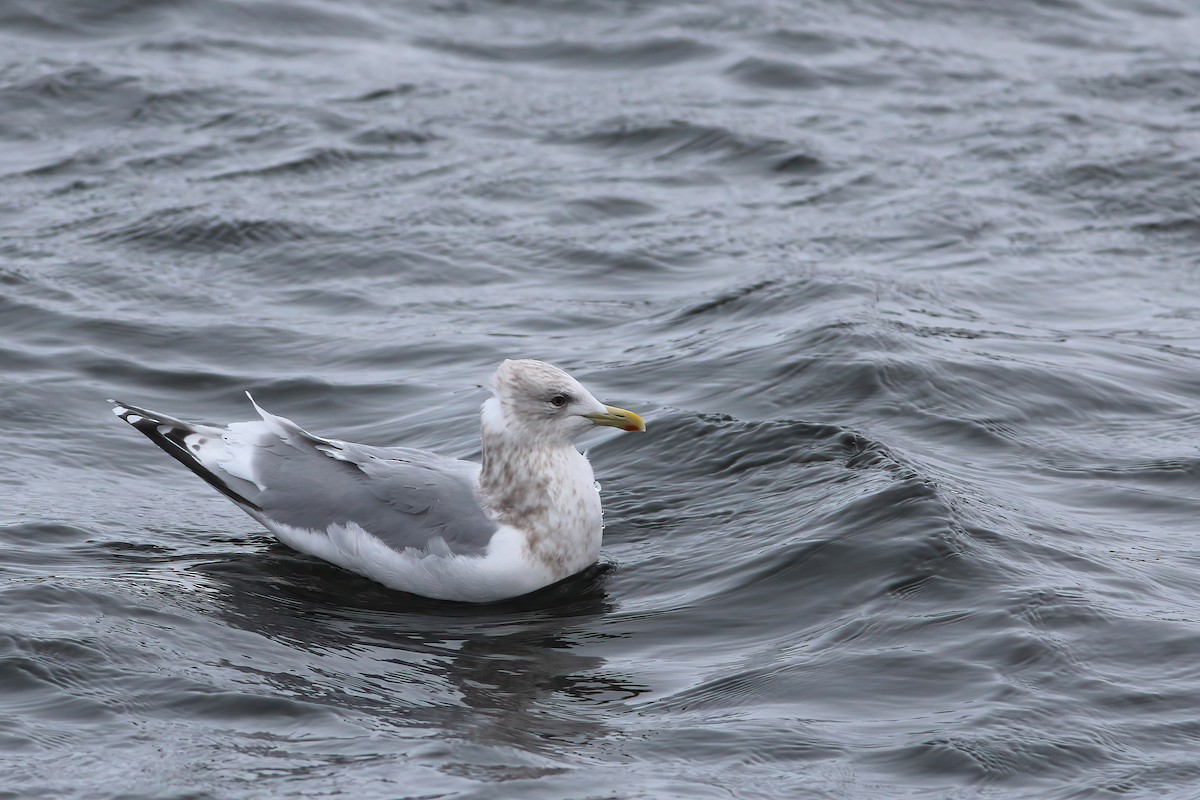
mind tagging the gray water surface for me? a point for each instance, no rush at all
(907, 291)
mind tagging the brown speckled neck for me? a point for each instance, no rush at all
(547, 492)
(512, 482)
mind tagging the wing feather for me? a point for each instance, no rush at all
(279, 472)
(404, 497)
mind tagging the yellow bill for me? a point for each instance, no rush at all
(615, 417)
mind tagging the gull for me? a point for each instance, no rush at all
(526, 517)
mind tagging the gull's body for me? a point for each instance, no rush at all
(528, 516)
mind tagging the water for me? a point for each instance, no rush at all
(907, 290)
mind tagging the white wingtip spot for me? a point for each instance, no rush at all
(133, 419)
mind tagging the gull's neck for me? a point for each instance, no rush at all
(546, 490)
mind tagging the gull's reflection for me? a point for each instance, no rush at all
(508, 674)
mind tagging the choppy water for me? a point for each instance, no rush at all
(907, 290)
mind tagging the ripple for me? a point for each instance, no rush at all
(802, 42)
(203, 44)
(679, 141)
(386, 93)
(646, 54)
(1167, 83)
(183, 229)
(1143, 190)
(232, 708)
(1007, 755)
(774, 74)
(768, 74)
(321, 159)
(68, 96)
(393, 137)
(79, 84)
(596, 209)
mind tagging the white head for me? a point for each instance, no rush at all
(537, 403)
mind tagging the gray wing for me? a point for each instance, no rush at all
(278, 472)
(403, 497)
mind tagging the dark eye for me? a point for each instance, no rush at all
(559, 400)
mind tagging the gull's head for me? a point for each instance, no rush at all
(539, 403)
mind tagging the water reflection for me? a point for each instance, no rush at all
(511, 675)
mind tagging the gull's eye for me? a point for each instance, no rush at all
(559, 400)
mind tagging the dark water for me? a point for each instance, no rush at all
(908, 291)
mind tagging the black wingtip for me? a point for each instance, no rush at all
(169, 434)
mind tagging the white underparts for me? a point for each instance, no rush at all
(502, 571)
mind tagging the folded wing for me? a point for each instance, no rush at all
(279, 473)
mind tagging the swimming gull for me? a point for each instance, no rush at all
(526, 517)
